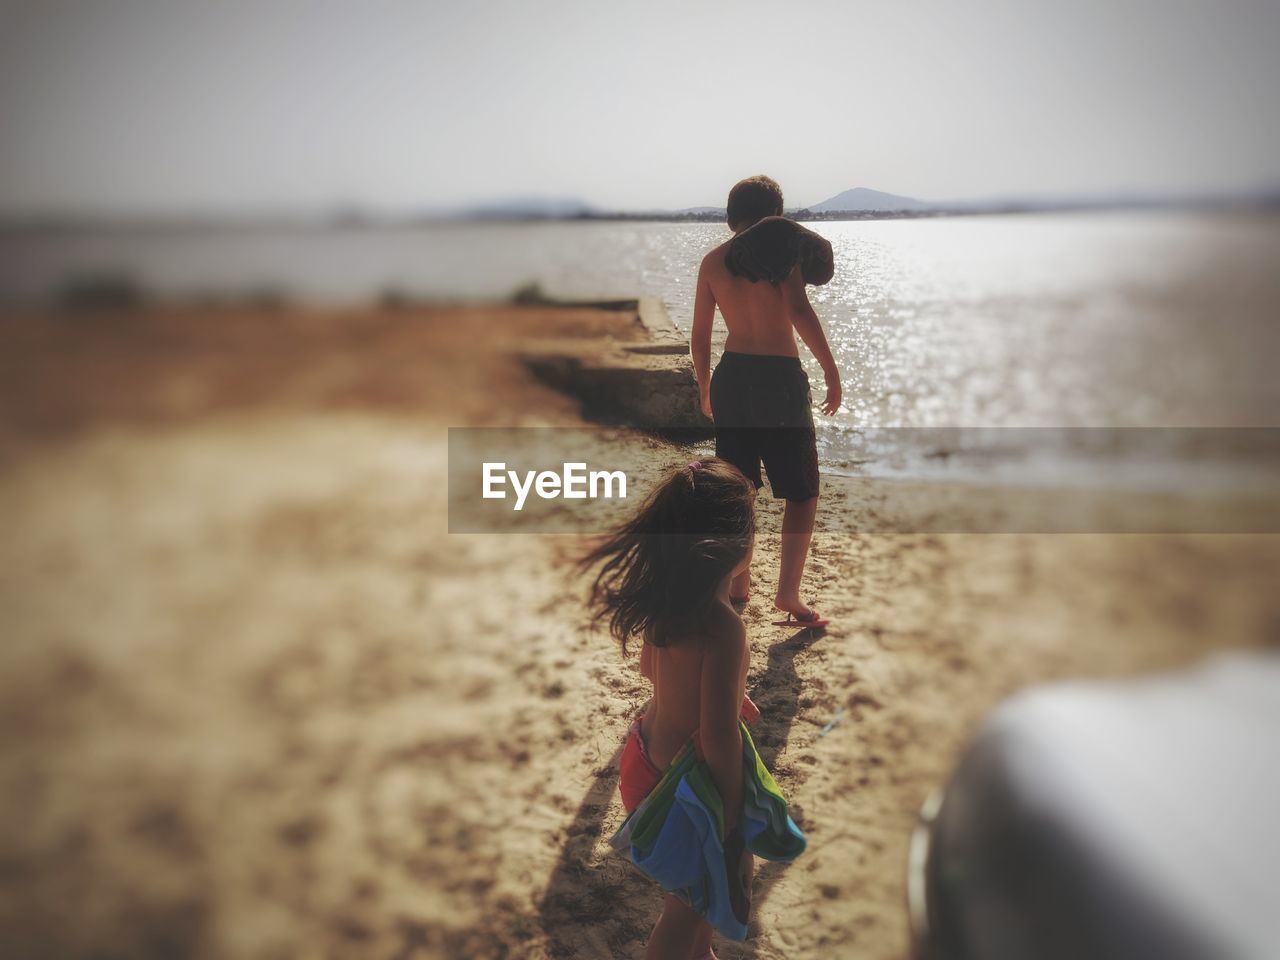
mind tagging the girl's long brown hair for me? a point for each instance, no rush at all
(659, 571)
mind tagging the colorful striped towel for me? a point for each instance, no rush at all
(676, 835)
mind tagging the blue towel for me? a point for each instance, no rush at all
(676, 835)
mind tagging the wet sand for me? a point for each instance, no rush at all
(258, 703)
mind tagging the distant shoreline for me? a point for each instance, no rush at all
(1264, 205)
(1269, 204)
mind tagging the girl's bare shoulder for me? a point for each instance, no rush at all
(724, 635)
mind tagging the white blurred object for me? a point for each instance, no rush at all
(1112, 820)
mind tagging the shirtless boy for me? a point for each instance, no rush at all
(759, 395)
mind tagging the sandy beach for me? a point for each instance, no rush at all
(258, 703)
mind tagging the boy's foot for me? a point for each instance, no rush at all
(740, 601)
(798, 614)
(811, 622)
(794, 606)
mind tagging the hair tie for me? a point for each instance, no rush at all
(695, 465)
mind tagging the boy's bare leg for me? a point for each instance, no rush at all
(797, 531)
(675, 932)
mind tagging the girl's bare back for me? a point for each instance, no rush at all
(677, 672)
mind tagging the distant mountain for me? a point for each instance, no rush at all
(863, 198)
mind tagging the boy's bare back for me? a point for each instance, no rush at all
(761, 319)
(759, 316)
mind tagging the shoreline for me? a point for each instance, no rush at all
(1255, 206)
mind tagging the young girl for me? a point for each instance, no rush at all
(665, 578)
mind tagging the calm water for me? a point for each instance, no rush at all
(1099, 320)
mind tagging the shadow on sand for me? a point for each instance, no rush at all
(579, 895)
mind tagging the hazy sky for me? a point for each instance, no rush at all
(166, 105)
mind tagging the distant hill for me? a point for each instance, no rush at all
(863, 198)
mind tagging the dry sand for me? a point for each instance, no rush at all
(258, 703)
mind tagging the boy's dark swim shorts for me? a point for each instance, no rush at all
(761, 406)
